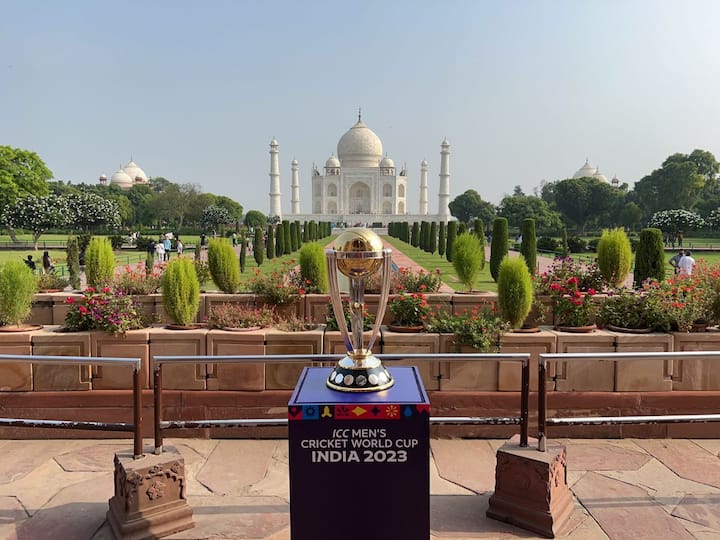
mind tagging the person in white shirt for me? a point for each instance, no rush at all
(686, 264)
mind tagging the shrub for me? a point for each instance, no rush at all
(451, 236)
(73, 261)
(277, 287)
(51, 282)
(224, 266)
(432, 244)
(576, 244)
(202, 270)
(565, 248)
(499, 247)
(17, 287)
(99, 262)
(181, 291)
(415, 235)
(287, 240)
(332, 323)
(420, 281)
(592, 244)
(409, 309)
(137, 280)
(466, 259)
(279, 241)
(313, 268)
(650, 256)
(239, 316)
(116, 240)
(515, 290)
(243, 253)
(480, 330)
(528, 247)
(547, 244)
(614, 256)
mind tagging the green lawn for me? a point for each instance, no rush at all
(432, 261)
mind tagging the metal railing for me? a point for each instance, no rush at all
(544, 422)
(135, 426)
(161, 425)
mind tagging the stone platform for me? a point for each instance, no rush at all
(238, 489)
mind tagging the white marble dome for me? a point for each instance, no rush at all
(135, 173)
(332, 162)
(122, 179)
(387, 162)
(599, 175)
(359, 147)
(586, 170)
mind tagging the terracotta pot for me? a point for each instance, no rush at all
(406, 329)
(577, 329)
(21, 328)
(628, 330)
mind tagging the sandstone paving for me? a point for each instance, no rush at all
(466, 462)
(661, 483)
(600, 456)
(235, 465)
(276, 481)
(700, 509)
(686, 459)
(35, 489)
(11, 514)
(19, 458)
(76, 512)
(203, 447)
(440, 486)
(236, 517)
(463, 516)
(625, 511)
(711, 445)
(97, 457)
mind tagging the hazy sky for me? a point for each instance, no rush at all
(523, 90)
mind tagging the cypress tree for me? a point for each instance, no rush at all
(287, 239)
(451, 236)
(415, 235)
(565, 247)
(461, 228)
(279, 240)
(528, 246)
(297, 239)
(480, 233)
(73, 261)
(258, 246)
(442, 241)
(424, 235)
(243, 253)
(649, 257)
(270, 246)
(432, 245)
(305, 232)
(499, 247)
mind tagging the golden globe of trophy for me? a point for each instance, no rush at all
(358, 253)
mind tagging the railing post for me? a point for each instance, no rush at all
(137, 413)
(542, 403)
(157, 393)
(524, 402)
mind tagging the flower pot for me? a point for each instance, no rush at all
(406, 329)
(577, 329)
(624, 330)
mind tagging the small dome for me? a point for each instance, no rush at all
(274, 142)
(121, 179)
(387, 162)
(423, 163)
(332, 162)
(135, 172)
(359, 147)
(585, 171)
(445, 142)
(599, 175)
(615, 181)
(294, 162)
(103, 177)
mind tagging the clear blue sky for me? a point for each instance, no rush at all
(523, 90)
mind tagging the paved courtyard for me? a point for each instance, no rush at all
(634, 489)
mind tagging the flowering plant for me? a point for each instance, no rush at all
(680, 301)
(229, 315)
(409, 309)
(630, 309)
(276, 286)
(571, 307)
(479, 329)
(293, 323)
(562, 269)
(138, 280)
(420, 281)
(51, 281)
(332, 323)
(108, 310)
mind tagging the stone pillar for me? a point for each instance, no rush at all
(531, 489)
(275, 207)
(149, 500)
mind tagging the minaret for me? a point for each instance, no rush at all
(275, 208)
(444, 191)
(295, 188)
(423, 188)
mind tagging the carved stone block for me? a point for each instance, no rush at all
(531, 489)
(150, 496)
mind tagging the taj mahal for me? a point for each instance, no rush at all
(360, 184)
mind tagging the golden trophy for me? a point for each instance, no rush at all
(358, 253)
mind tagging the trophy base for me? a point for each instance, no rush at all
(368, 375)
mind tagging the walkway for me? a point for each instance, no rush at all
(624, 489)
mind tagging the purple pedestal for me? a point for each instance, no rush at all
(359, 462)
